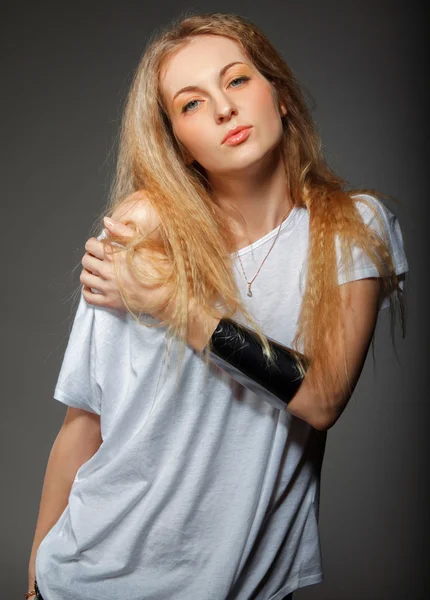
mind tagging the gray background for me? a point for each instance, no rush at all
(66, 68)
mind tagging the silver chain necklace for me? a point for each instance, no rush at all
(249, 293)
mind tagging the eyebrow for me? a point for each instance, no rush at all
(193, 88)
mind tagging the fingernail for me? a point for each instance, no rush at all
(108, 222)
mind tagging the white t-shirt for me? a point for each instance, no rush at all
(198, 492)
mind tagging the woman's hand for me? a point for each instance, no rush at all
(100, 287)
(99, 273)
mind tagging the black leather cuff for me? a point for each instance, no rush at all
(236, 349)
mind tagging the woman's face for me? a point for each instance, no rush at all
(220, 99)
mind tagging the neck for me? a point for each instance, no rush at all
(255, 201)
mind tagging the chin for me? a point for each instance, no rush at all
(254, 159)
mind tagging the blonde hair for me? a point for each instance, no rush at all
(194, 234)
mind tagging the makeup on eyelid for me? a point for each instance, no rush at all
(242, 78)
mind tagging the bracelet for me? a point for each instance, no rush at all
(235, 349)
(33, 592)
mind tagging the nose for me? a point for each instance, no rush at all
(225, 109)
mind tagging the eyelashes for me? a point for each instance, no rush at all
(244, 78)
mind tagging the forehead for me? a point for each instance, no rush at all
(202, 58)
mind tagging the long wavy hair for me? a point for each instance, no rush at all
(194, 235)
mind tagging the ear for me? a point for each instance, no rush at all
(283, 108)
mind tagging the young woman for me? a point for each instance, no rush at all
(195, 474)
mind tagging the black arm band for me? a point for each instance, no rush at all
(236, 350)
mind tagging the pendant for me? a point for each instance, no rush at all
(249, 293)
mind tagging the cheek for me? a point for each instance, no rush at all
(195, 136)
(180, 132)
(186, 132)
(265, 103)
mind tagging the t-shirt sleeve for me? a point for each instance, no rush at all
(362, 265)
(77, 384)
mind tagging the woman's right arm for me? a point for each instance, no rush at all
(77, 441)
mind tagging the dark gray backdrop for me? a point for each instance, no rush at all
(66, 68)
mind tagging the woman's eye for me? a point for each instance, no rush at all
(244, 78)
(185, 108)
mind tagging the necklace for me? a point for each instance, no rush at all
(249, 293)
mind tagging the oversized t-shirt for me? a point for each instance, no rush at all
(201, 489)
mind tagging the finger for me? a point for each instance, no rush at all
(118, 228)
(95, 247)
(90, 280)
(93, 264)
(92, 297)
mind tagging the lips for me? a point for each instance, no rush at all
(235, 131)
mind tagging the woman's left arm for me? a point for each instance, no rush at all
(237, 352)
(360, 301)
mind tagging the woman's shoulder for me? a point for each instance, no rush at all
(375, 212)
(137, 208)
(377, 215)
(365, 200)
